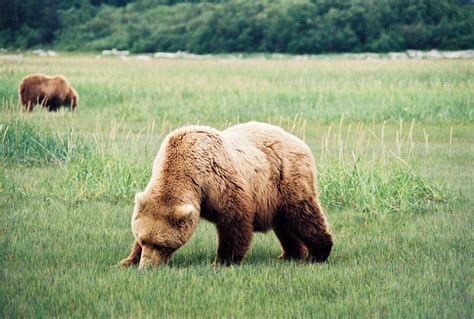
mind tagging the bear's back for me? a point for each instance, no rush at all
(263, 136)
(277, 166)
(36, 86)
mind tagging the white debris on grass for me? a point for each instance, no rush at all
(404, 55)
(40, 52)
(278, 56)
(411, 54)
(435, 54)
(397, 55)
(143, 57)
(181, 55)
(466, 54)
(165, 55)
(115, 52)
(44, 53)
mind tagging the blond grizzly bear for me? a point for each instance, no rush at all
(49, 91)
(249, 177)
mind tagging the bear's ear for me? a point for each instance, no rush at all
(140, 199)
(185, 212)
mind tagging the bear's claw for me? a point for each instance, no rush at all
(126, 262)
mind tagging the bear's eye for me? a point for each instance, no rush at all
(177, 223)
(157, 247)
(163, 249)
(152, 245)
(180, 223)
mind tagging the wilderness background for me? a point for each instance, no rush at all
(392, 136)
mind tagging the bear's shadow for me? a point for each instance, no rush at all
(206, 258)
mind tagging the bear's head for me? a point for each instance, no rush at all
(161, 229)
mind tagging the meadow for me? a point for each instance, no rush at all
(394, 146)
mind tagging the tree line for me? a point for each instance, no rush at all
(219, 26)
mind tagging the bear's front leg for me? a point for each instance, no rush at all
(234, 237)
(134, 257)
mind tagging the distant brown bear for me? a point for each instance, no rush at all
(51, 92)
(249, 177)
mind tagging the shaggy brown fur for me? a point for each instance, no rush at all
(250, 177)
(51, 92)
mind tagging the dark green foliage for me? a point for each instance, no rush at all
(219, 26)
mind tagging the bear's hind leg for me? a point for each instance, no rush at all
(234, 238)
(309, 225)
(292, 247)
(134, 257)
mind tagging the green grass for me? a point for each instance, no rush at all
(23, 143)
(394, 149)
(104, 177)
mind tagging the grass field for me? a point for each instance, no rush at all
(394, 145)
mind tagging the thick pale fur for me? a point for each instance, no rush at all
(249, 177)
(49, 91)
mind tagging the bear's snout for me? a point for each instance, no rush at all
(152, 257)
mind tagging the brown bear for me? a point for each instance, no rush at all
(49, 91)
(248, 178)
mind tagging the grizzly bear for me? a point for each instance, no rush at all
(49, 91)
(248, 178)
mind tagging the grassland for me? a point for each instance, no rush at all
(394, 145)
